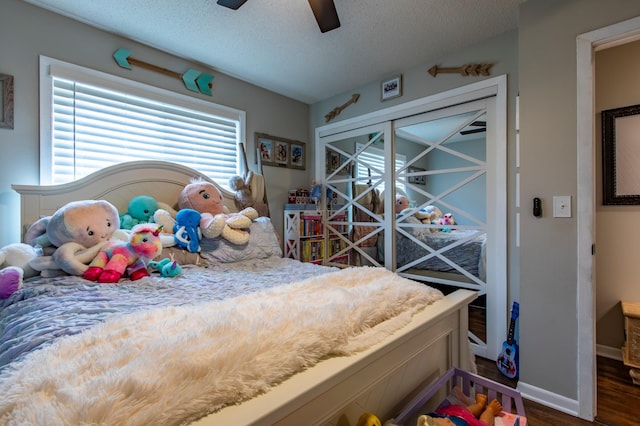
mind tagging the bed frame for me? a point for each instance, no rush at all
(335, 391)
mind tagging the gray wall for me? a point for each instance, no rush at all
(548, 273)
(27, 31)
(540, 60)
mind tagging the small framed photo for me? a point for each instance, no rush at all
(6, 101)
(418, 180)
(297, 155)
(275, 151)
(391, 88)
(264, 147)
(282, 153)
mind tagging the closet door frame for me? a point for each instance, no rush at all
(497, 310)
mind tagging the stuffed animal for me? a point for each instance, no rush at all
(203, 197)
(187, 230)
(111, 263)
(402, 203)
(242, 187)
(447, 220)
(14, 264)
(430, 215)
(167, 267)
(140, 210)
(72, 236)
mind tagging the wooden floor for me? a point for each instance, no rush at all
(618, 397)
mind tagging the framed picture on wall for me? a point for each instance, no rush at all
(620, 155)
(264, 148)
(297, 156)
(391, 88)
(281, 152)
(417, 180)
(6, 98)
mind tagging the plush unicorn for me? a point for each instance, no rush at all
(112, 262)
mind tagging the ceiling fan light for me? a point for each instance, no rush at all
(326, 14)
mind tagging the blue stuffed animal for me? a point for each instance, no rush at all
(187, 230)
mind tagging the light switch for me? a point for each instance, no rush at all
(562, 206)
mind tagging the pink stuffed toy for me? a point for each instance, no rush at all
(132, 256)
(402, 203)
(447, 219)
(205, 198)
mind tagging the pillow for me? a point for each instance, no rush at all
(263, 243)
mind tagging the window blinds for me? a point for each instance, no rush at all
(94, 125)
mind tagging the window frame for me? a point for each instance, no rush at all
(49, 66)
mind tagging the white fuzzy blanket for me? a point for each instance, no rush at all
(174, 365)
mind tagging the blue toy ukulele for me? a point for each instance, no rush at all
(507, 361)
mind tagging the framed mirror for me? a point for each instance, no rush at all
(620, 155)
(6, 95)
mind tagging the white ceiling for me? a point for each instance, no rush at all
(276, 44)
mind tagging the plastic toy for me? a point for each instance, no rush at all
(368, 419)
(479, 413)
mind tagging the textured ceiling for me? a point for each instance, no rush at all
(276, 44)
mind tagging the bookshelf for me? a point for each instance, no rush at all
(305, 238)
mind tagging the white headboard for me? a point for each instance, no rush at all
(117, 184)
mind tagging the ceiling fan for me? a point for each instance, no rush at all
(481, 127)
(323, 10)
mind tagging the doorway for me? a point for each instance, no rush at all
(587, 44)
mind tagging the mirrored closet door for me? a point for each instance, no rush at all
(421, 190)
(355, 177)
(443, 237)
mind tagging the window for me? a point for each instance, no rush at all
(375, 157)
(91, 120)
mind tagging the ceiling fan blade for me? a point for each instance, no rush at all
(470, 131)
(326, 14)
(479, 123)
(231, 4)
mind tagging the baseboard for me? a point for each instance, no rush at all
(609, 352)
(549, 399)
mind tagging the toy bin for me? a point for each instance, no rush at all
(452, 383)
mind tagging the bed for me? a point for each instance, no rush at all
(214, 345)
(453, 255)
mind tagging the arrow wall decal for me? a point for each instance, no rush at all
(192, 79)
(465, 70)
(337, 110)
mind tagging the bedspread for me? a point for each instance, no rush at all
(62, 306)
(467, 255)
(171, 350)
